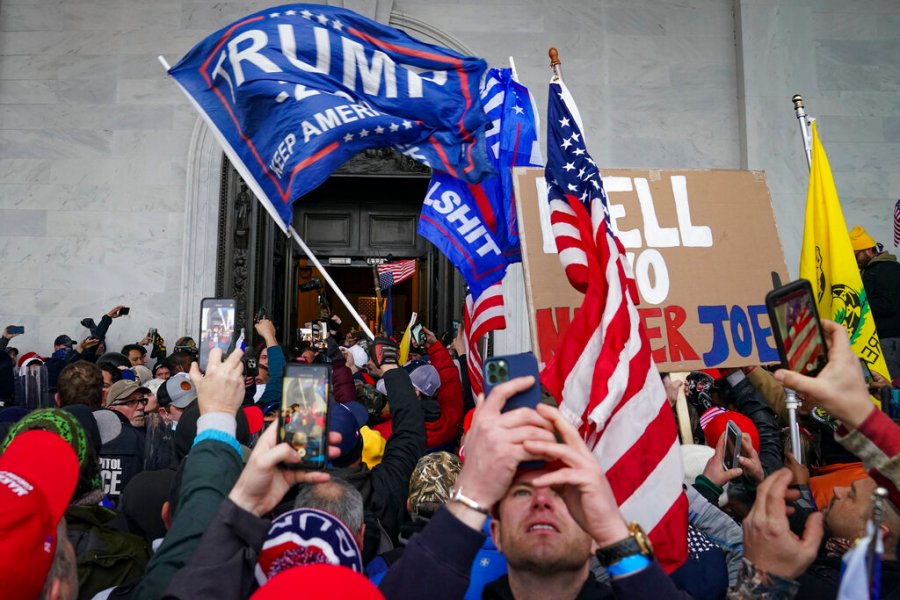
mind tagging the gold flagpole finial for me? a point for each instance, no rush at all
(555, 64)
(797, 99)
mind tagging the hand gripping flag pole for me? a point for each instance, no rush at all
(251, 182)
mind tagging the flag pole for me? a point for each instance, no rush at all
(377, 294)
(555, 65)
(791, 402)
(879, 497)
(315, 261)
(803, 118)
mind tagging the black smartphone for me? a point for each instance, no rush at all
(867, 373)
(456, 325)
(15, 329)
(796, 327)
(260, 315)
(498, 369)
(216, 327)
(732, 454)
(251, 367)
(303, 419)
(124, 310)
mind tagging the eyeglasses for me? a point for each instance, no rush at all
(141, 400)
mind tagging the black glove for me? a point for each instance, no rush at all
(332, 349)
(384, 351)
(699, 391)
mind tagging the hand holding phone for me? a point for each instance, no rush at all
(303, 419)
(124, 311)
(13, 330)
(732, 453)
(796, 327)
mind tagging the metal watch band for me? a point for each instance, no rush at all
(457, 496)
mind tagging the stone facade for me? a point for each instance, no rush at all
(107, 182)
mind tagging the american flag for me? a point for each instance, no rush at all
(602, 371)
(482, 316)
(390, 274)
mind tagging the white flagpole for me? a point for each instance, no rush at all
(267, 204)
(792, 403)
(803, 118)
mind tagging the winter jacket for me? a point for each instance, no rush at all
(342, 381)
(386, 487)
(222, 565)
(877, 442)
(276, 375)
(210, 471)
(718, 527)
(443, 427)
(881, 279)
(436, 565)
(121, 458)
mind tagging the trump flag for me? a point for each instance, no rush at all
(294, 91)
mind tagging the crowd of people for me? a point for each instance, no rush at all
(123, 480)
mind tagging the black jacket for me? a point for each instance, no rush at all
(881, 279)
(386, 487)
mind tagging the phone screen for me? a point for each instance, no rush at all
(798, 332)
(16, 329)
(417, 335)
(732, 446)
(216, 326)
(304, 414)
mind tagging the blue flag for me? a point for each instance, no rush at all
(294, 91)
(475, 225)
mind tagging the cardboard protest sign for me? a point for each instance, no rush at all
(702, 245)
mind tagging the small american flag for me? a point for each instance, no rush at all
(482, 316)
(390, 274)
(602, 371)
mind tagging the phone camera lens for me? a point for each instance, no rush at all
(502, 372)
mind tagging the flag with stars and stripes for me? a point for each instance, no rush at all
(481, 316)
(294, 91)
(602, 372)
(392, 273)
(475, 225)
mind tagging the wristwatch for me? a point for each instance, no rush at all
(636, 543)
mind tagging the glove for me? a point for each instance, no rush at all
(699, 391)
(332, 349)
(384, 351)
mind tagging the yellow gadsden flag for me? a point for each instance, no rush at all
(828, 263)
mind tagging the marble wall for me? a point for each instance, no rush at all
(103, 184)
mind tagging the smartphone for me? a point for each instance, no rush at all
(455, 328)
(731, 459)
(15, 329)
(796, 327)
(216, 327)
(499, 369)
(124, 310)
(303, 419)
(251, 367)
(418, 336)
(260, 315)
(867, 373)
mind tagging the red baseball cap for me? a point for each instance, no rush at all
(717, 425)
(38, 473)
(327, 581)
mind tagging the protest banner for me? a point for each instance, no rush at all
(703, 245)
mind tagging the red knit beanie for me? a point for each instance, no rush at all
(715, 427)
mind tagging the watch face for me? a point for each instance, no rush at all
(642, 539)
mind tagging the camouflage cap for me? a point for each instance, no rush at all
(432, 480)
